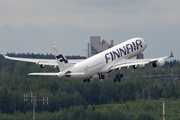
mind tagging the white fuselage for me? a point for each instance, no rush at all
(101, 63)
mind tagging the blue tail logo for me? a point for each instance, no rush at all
(63, 59)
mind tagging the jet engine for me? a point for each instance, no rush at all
(138, 66)
(158, 63)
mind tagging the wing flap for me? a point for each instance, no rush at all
(128, 64)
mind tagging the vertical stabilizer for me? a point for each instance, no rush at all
(61, 59)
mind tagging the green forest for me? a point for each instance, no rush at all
(138, 96)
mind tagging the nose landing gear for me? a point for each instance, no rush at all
(101, 76)
(88, 80)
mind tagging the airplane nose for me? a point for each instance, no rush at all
(145, 43)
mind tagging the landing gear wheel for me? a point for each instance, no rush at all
(88, 80)
(117, 75)
(102, 76)
(84, 80)
(99, 76)
(121, 75)
(119, 79)
(115, 79)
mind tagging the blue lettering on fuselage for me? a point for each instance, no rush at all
(107, 58)
(111, 56)
(134, 45)
(128, 48)
(116, 54)
(138, 43)
(122, 51)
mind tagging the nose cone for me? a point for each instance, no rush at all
(145, 43)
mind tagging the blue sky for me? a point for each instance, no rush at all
(35, 26)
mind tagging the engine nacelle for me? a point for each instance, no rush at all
(141, 65)
(138, 66)
(159, 63)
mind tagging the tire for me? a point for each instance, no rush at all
(119, 79)
(102, 76)
(121, 75)
(84, 80)
(117, 75)
(115, 79)
(88, 80)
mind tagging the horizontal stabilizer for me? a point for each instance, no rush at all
(55, 74)
(74, 74)
(48, 74)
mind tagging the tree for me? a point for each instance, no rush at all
(173, 91)
(145, 92)
(165, 94)
(145, 116)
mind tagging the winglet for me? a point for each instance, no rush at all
(171, 55)
(5, 55)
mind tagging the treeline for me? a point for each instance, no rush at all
(64, 93)
(131, 110)
(71, 99)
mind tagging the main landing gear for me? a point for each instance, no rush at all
(118, 77)
(101, 76)
(88, 80)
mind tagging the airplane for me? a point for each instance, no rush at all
(104, 62)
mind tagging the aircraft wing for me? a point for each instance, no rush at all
(135, 62)
(51, 62)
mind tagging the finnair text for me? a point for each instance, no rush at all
(126, 49)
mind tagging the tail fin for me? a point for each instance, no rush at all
(61, 59)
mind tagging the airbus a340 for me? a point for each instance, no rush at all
(102, 63)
